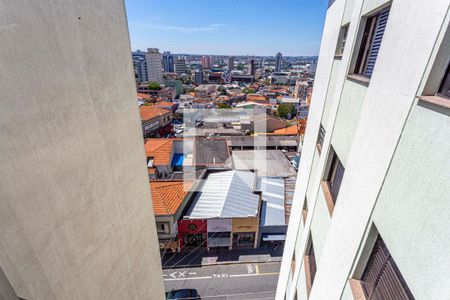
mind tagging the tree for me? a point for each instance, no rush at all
(248, 90)
(285, 110)
(223, 106)
(154, 86)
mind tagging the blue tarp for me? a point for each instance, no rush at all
(177, 159)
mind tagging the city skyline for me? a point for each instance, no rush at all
(239, 28)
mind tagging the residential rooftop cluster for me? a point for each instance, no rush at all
(222, 145)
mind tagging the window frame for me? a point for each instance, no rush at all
(310, 264)
(342, 40)
(380, 261)
(368, 30)
(165, 229)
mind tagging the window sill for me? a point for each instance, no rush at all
(359, 79)
(328, 198)
(436, 100)
(357, 289)
(308, 275)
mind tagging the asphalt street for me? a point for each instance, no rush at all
(256, 281)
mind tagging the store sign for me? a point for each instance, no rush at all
(245, 225)
(219, 225)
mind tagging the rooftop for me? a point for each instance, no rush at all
(212, 152)
(167, 196)
(150, 112)
(227, 194)
(272, 208)
(160, 150)
(266, 163)
(291, 130)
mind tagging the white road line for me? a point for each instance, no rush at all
(188, 278)
(243, 275)
(192, 273)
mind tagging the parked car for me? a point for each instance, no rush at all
(190, 294)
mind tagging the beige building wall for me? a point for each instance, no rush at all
(76, 219)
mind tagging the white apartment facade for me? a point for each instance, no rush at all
(370, 217)
(154, 65)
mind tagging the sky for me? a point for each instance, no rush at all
(227, 27)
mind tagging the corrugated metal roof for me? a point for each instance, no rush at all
(272, 212)
(226, 195)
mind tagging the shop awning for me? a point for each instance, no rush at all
(273, 237)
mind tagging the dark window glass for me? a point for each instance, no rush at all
(335, 175)
(444, 89)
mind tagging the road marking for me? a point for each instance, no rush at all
(192, 273)
(257, 269)
(222, 275)
(188, 278)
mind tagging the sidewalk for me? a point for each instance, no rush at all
(202, 257)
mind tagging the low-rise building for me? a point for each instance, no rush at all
(224, 213)
(169, 200)
(166, 93)
(279, 78)
(159, 154)
(155, 121)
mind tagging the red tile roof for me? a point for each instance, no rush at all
(160, 150)
(291, 130)
(150, 112)
(167, 196)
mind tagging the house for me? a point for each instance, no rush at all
(155, 121)
(169, 200)
(171, 106)
(159, 153)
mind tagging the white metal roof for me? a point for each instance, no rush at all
(226, 195)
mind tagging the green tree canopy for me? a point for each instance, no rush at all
(154, 86)
(222, 105)
(285, 110)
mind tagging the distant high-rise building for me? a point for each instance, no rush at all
(168, 62)
(140, 65)
(278, 62)
(180, 66)
(251, 67)
(76, 216)
(231, 63)
(312, 67)
(154, 65)
(198, 77)
(207, 62)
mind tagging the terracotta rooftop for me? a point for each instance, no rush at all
(160, 150)
(291, 130)
(163, 104)
(144, 96)
(150, 112)
(167, 196)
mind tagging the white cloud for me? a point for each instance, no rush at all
(210, 27)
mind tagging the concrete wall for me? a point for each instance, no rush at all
(395, 151)
(76, 217)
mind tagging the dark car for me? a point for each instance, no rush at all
(182, 294)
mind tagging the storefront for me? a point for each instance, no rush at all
(245, 232)
(192, 233)
(219, 233)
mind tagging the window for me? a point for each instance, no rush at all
(310, 265)
(150, 161)
(444, 89)
(320, 138)
(332, 182)
(341, 41)
(162, 227)
(371, 42)
(305, 211)
(335, 175)
(381, 278)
